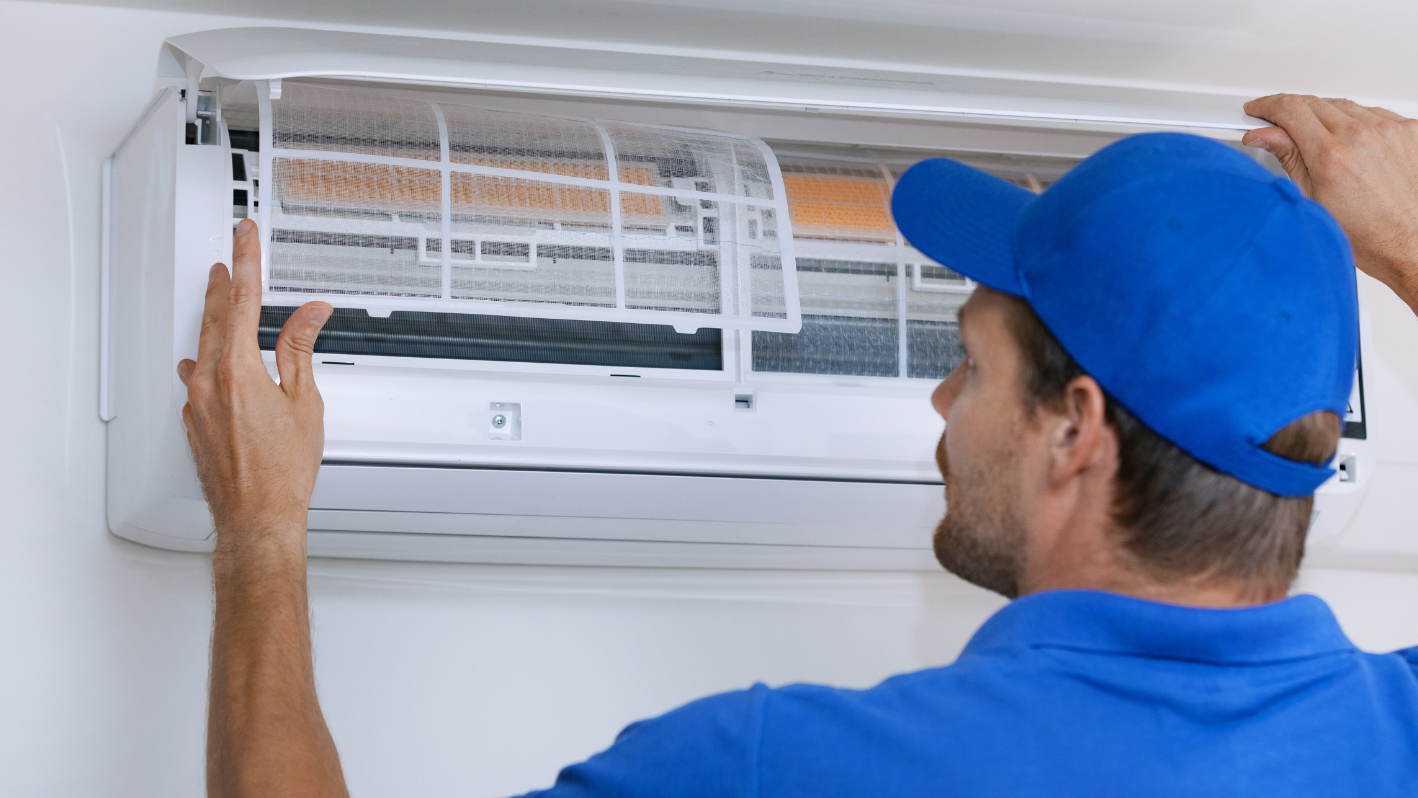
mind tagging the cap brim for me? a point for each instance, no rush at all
(962, 218)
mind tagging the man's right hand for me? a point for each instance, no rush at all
(1362, 165)
(256, 444)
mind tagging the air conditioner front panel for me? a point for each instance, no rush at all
(627, 424)
(265, 53)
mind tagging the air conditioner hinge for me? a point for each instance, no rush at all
(203, 108)
(194, 81)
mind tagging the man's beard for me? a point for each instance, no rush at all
(981, 539)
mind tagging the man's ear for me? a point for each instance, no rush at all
(1080, 437)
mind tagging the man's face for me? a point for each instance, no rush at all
(982, 538)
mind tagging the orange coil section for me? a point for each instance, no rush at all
(355, 185)
(834, 207)
(367, 186)
(474, 193)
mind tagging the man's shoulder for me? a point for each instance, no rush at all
(1397, 669)
(959, 691)
(1011, 688)
(1410, 656)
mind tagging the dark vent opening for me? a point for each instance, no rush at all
(248, 140)
(457, 336)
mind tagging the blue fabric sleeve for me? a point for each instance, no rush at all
(705, 749)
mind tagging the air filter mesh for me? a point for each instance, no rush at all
(383, 202)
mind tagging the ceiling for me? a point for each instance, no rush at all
(1362, 50)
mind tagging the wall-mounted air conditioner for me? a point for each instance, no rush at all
(592, 307)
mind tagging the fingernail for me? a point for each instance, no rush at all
(246, 227)
(1260, 143)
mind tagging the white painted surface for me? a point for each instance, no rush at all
(456, 680)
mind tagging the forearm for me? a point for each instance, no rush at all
(257, 446)
(266, 735)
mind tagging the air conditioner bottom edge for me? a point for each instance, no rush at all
(424, 547)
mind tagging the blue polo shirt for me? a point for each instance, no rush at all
(1059, 694)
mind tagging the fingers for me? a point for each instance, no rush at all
(1270, 139)
(1355, 110)
(1278, 143)
(1295, 114)
(189, 428)
(1384, 113)
(184, 369)
(1336, 120)
(296, 344)
(1395, 130)
(244, 304)
(214, 319)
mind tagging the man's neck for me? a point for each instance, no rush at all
(1189, 592)
(1087, 557)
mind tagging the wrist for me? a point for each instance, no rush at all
(267, 540)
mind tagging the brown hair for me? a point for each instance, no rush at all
(1182, 517)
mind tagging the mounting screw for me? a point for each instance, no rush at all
(504, 421)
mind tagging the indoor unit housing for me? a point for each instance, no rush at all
(591, 307)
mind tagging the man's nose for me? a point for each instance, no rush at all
(949, 388)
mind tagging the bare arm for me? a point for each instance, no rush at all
(1362, 164)
(257, 446)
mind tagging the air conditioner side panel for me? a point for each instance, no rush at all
(168, 227)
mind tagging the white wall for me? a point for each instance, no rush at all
(436, 679)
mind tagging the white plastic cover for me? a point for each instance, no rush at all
(266, 53)
(388, 203)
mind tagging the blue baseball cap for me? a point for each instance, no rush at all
(1210, 298)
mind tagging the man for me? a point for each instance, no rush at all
(1157, 361)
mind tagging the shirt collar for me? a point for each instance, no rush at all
(1089, 620)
